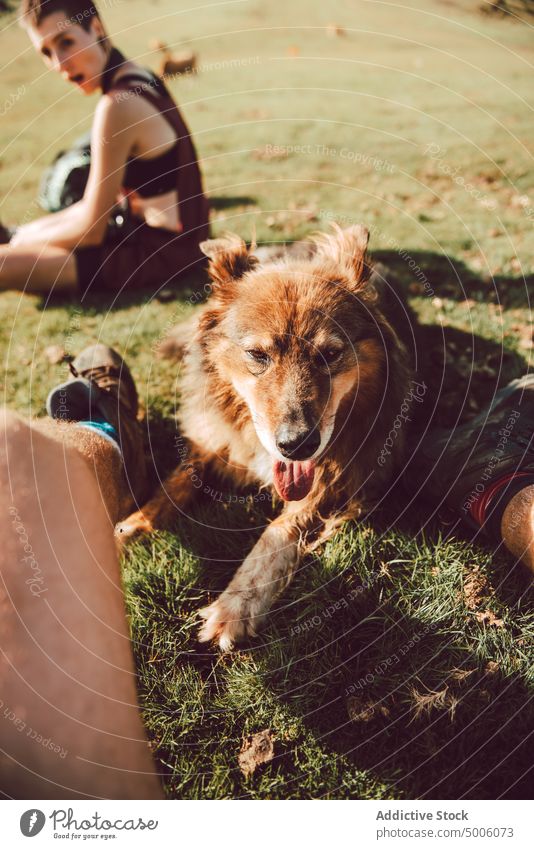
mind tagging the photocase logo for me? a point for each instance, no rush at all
(32, 822)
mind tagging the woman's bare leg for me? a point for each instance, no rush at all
(517, 526)
(69, 719)
(37, 269)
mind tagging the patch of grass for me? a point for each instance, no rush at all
(375, 675)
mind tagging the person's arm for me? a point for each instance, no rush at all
(36, 231)
(85, 223)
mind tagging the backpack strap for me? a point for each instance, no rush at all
(155, 92)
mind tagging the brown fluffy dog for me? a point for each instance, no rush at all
(293, 376)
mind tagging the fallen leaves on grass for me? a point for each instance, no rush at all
(291, 217)
(461, 675)
(255, 114)
(526, 341)
(487, 617)
(270, 151)
(165, 295)
(520, 201)
(361, 709)
(476, 591)
(459, 686)
(476, 588)
(54, 354)
(425, 704)
(334, 31)
(384, 569)
(256, 750)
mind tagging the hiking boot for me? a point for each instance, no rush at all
(478, 467)
(102, 390)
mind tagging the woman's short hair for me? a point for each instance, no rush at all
(33, 12)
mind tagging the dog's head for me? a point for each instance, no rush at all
(302, 343)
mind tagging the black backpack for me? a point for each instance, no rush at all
(64, 181)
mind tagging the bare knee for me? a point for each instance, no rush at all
(18, 438)
(14, 433)
(517, 526)
(10, 422)
(33, 455)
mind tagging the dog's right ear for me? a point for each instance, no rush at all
(348, 248)
(229, 258)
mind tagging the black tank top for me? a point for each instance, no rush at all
(177, 168)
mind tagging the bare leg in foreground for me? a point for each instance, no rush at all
(69, 719)
(517, 526)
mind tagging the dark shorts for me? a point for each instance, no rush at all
(138, 257)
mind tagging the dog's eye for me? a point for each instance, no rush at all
(259, 358)
(329, 356)
(257, 355)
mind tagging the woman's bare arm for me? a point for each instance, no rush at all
(85, 223)
(37, 231)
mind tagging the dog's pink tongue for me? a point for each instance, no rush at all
(293, 480)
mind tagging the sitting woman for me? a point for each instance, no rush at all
(141, 152)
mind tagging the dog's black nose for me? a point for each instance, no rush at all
(297, 445)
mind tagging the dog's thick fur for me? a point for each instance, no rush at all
(286, 351)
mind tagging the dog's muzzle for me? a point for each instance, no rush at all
(297, 444)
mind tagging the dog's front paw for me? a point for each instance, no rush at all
(133, 526)
(228, 620)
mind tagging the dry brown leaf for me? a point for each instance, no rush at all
(255, 114)
(361, 709)
(460, 675)
(520, 201)
(257, 749)
(525, 337)
(487, 617)
(476, 588)
(165, 295)
(425, 703)
(384, 569)
(270, 151)
(54, 354)
(334, 31)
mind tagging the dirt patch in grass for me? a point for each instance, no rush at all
(256, 750)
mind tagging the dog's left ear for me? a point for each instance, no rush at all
(347, 248)
(229, 258)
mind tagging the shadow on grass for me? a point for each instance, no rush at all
(410, 701)
(461, 372)
(219, 203)
(186, 288)
(450, 278)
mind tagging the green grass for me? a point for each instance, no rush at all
(439, 700)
